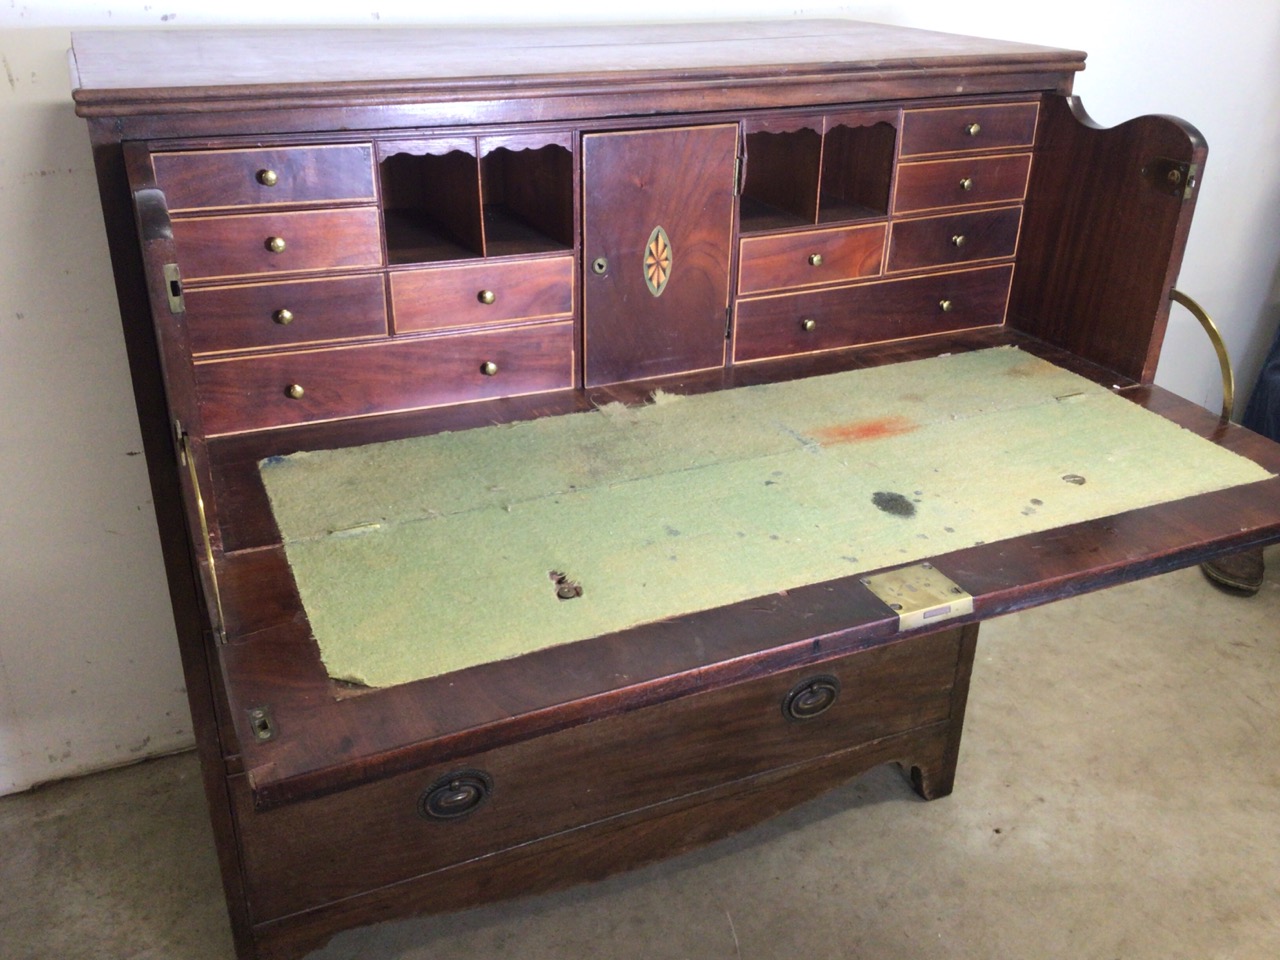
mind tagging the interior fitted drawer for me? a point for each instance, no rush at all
(378, 834)
(257, 315)
(967, 128)
(809, 258)
(262, 243)
(954, 238)
(252, 393)
(476, 294)
(952, 183)
(870, 312)
(210, 179)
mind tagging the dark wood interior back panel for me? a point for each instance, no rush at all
(1101, 252)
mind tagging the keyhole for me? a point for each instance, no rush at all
(599, 266)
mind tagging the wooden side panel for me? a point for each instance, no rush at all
(680, 180)
(1100, 252)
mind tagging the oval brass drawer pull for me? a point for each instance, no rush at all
(811, 698)
(455, 795)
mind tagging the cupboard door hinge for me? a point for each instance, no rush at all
(173, 288)
(737, 176)
(1174, 177)
(728, 322)
(919, 595)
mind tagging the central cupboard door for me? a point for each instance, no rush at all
(657, 242)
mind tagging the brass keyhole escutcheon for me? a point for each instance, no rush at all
(294, 391)
(275, 244)
(489, 368)
(808, 325)
(958, 240)
(966, 183)
(486, 296)
(599, 266)
(946, 306)
(815, 259)
(973, 129)
(283, 316)
(268, 178)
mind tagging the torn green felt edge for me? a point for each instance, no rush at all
(420, 557)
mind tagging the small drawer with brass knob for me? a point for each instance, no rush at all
(968, 128)
(937, 184)
(468, 295)
(245, 245)
(206, 180)
(810, 257)
(953, 238)
(248, 316)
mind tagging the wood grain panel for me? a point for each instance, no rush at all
(220, 179)
(788, 260)
(951, 129)
(251, 393)
(954, 238)
(588, 773)
(453, 296)
(248, 316)
(237, 245)
(889, 310)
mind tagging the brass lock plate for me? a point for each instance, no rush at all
(919, 595)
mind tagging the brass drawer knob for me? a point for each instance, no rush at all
(973, 129)
(275, 244)
(958, 240)
(966, 183)
(815, 259)
(455, 795)
(811, 698)
(486, 296)
(808, 325)
(294, 391)
(268, 178)
(283, 316)
(946, 306)
(489, 368)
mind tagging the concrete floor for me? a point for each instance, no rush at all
(1118, 797)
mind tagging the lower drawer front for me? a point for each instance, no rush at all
(955, 238)
(253, 393)
(313, 852)
(870, 313)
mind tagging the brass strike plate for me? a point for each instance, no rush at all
(919, 595)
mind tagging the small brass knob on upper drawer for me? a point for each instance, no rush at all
(486, 296)
(808, 324)
(489, 368)
(283, 316)
(958, 240)
(294, 391)
(966, 183)
(815, 259)
(946, 306)
(275, 244)
(811, 698)
(268, 178)
(973, 129)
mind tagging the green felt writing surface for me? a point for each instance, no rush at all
(423, 556)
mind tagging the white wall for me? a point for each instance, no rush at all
(89, 674)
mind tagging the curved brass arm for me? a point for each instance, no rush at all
(1219, 346)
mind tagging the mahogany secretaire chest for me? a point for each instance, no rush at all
(326, 239)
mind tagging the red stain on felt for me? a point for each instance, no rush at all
(860, 430)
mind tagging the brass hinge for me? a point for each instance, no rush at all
(919, 595)
(1174, 177)
(219, 620)
(737, 176)
(728, 322)
(173, 287)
